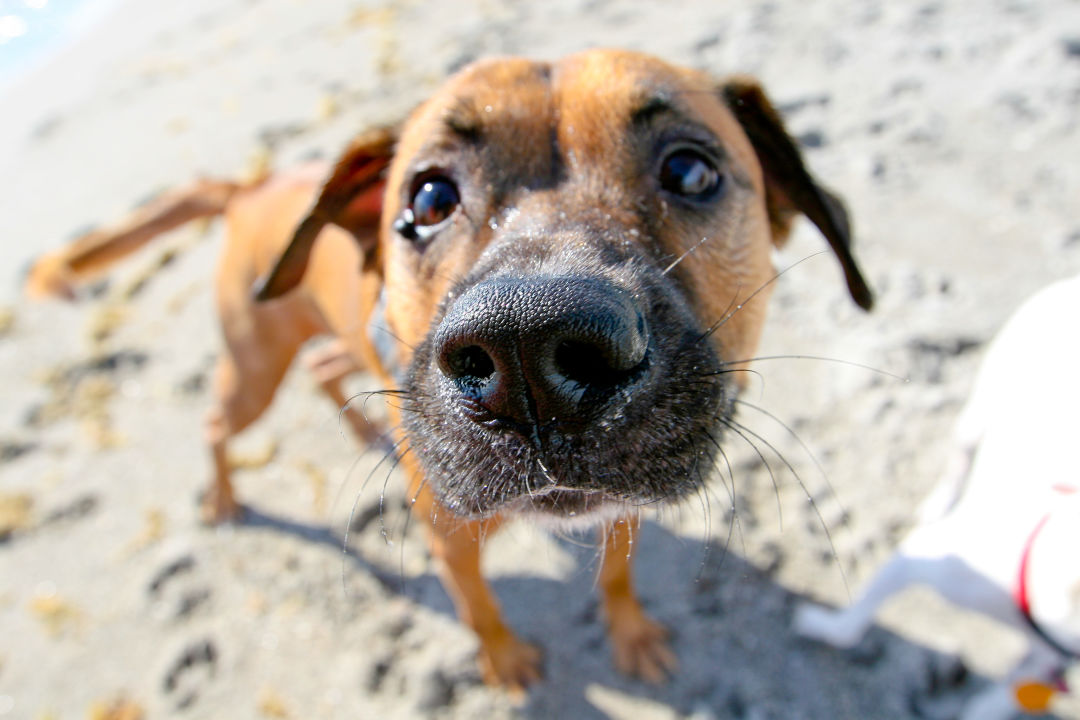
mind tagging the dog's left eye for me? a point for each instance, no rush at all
(689, 173)
(433, 201)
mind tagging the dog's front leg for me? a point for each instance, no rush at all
(639, 643)
(504, 658)
(330, 365)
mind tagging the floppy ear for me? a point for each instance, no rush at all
(351, 198)
(789, 187)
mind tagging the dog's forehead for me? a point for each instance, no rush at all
(604, 89)
(609, 99)
(581, 105)
(615, 79)
(484, 95)
(501, 106)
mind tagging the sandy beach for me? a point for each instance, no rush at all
(952, 131)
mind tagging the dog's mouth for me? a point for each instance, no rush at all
(566, 503)
(503, 419)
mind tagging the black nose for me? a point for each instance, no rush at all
(529, 351)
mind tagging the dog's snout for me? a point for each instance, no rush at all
(531, 351)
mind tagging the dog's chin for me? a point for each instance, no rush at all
(656, 450)
(557, 508)
(570, 509)
(552, 505)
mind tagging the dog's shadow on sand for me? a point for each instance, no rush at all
(730, 626)
(319, 534)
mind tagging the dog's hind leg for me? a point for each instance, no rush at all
(246, 377)
(639, 643)
(844, 628)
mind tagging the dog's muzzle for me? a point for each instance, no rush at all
(565, 394)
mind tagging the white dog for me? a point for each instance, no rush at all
(1001, 534)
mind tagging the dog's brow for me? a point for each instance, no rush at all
(463, 120)
(663, 106)
(654, 106)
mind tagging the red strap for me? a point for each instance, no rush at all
(1021, 594)
(1023, 601)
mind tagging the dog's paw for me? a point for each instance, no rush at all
(511, 663)
(641, 648)
(824, 625)
(218, 508)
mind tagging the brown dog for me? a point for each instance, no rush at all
(558, 266)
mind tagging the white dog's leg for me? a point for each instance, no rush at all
(844, 628)
(916, 561)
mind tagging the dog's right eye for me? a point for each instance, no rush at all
(433, 201)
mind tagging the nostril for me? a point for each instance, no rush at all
(586, 364)
(470, 364)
